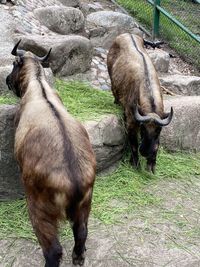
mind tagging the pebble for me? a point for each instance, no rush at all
(100, 50)
(103, 75)
(102, 81)
(105, 87)
(95, 61)
(102, 67)
(104, 56)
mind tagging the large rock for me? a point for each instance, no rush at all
(108, 139)
(160, 59)
(49, 76)
(70, 54)
(72, 3)
(62, 20)
(4, 71)
(10, 184)
(181, 84)
(183, 133)
(88, 8)
(105, 26)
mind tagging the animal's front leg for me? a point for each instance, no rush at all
(133, 141)
(151, 164)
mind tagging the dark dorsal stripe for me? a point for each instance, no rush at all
(68, 153)
(147, 78)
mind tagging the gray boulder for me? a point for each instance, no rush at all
(10, 184)
(49, 76)
(4, 71)
(70, 54)
(87, 8)
(62, 20)
(160, 59)
(108, 140)
(72, 3)
(181, 84)
(105, 26)
(183, 133)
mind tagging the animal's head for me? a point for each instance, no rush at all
(150, 129)
(21, 68)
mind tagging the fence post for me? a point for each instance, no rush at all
(156, 19)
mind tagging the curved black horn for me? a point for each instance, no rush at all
(141, 118)
(44, 58)
(16, 51)
(165, 121)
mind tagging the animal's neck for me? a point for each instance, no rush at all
(32, 82)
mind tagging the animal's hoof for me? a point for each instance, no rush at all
(151, 168)
(135, 164)
(78, 259)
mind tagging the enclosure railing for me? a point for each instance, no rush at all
(175, 21)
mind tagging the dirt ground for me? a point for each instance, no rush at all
(164, 235)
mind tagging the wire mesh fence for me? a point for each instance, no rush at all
(187, 12)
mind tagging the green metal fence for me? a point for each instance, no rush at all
(175, 21)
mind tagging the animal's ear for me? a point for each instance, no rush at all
(19, 60)
(45, 59)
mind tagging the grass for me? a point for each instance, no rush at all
(80, 99)
(8, 98)
(116, 194)
(184, 11)
(85, 102)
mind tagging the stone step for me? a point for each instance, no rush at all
(160, 59)
(181, 84)
(183, 133)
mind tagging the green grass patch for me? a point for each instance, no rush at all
(116, 194)
(80, 99)
(127, 186)
(85, 102)
(8, 98)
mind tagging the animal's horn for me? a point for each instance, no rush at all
(16, 51)
(44, 58)
(166, 121)
(141, 118)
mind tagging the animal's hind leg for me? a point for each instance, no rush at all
(44, 222)
(80, 230)
(115, 94)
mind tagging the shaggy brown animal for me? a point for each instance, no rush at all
(136, 87)
(55, 157)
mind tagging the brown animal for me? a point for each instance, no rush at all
(136, 87)
(56, 159)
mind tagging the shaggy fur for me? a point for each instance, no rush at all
(135, 83)
(56, 160)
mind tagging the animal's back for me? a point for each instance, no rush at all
(131, 69)
(51, 145)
